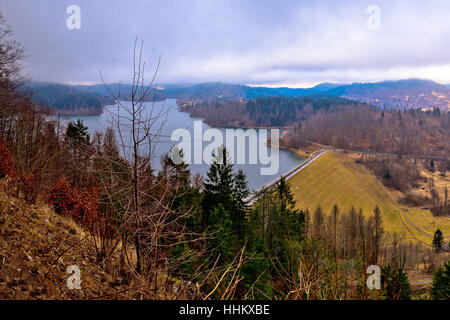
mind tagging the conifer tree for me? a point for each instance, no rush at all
(77, 133)
(395, 283)
(224, 237)
(440, 289)
(240, 193)
(438, 238)
(218, 185)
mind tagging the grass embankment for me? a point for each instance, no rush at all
(335, 178)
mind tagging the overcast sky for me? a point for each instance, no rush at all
(294, 43)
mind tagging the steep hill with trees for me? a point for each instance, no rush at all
(67, 99)
(402, 94)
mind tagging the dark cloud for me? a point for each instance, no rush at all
(287, 42)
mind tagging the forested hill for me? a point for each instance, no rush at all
(219, 90)
(81, 99)
(68, 99)
(267, 111)
(401, 94)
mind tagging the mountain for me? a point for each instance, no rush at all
(219, 90)
(81, 99)
(90, 99)
(67, 99)
(118, 90)
(401, 94)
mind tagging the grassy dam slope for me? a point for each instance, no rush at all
(335, 178)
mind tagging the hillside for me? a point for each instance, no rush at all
(336, 179)
(37, 246)
(81, 99)
(266, 111)
(68, 99)
(402, 94)
(89, 99)
(218, 90)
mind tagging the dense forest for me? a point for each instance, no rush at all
(80, 99)
(265, 112)
(370, 129)
(336, 122)
(67, 99)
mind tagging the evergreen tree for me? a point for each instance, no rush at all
(257, 271)
(77, 132)
(395, 283)
(257, 275)
(218, 186)
(224, 237)
(175, 167)
(285, 223)
(438, 238)
(440, 289)
(378, 233)
(76, 138)
(240, 193)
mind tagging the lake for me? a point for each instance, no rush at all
(181, 120)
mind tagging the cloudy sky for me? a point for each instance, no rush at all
(284, 42)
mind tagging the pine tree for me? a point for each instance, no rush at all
(218, 186)
(257, 273)
(224, 237)
(379, 231)
(285, 223)
(440, 289)
(240, 193)
(177, 171)
(77, 132)
(395, 283)
(438, 238)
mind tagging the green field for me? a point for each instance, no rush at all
(335, 178)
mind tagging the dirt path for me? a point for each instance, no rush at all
(421, 231)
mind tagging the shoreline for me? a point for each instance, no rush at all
(297, 151)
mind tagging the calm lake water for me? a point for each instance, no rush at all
(176, 120)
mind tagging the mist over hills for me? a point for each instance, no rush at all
(90, 99)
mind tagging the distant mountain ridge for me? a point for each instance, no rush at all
(401, 94)
(219, 90)
(67, 99)
(81, 99)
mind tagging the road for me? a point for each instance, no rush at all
(251, 199)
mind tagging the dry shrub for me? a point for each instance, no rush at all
(82, 205)
(7, 164)
(27, 185)
(414, 199)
